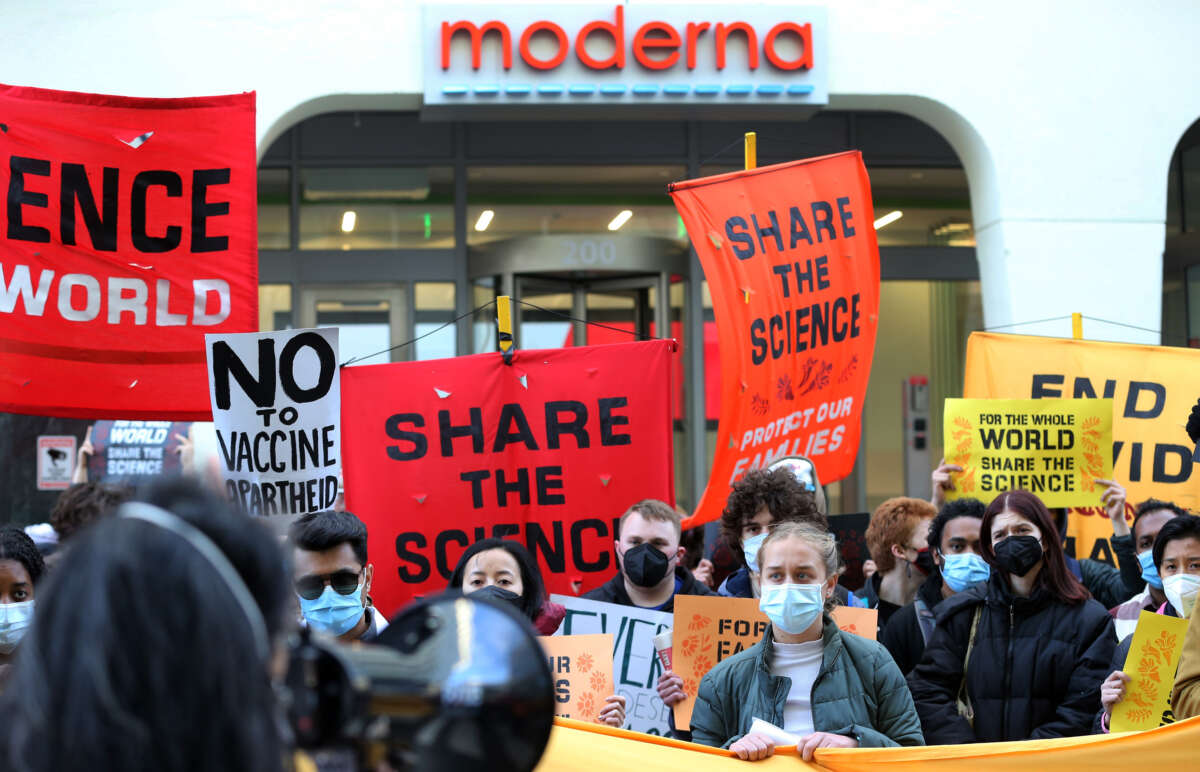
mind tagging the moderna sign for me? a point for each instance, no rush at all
(601, 55)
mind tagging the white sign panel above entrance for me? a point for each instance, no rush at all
(515, 56)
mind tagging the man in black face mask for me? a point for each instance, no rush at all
(648, 555)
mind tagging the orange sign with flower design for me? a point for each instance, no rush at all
(1055, 448)
(1151, 663)
(582, 669)
(709, 628)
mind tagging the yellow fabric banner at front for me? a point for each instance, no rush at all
(1151, 663)
(1153, 389)
(1055, 448)
(576, 745)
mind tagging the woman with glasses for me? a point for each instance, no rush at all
(1022, 656)
(504, 571)
(332, 577)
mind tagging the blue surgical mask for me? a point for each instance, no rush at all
(792, 607)
(333, 613)
(15, 619)
(963, 569)
(1149, 570)
(750, 549)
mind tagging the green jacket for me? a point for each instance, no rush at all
(859, 692)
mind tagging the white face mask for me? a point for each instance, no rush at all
(15, 619)
(1181, 590)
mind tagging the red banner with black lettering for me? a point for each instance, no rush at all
(548, 451)
(791, 258)
(130, 231)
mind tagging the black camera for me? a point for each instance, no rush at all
(452, 683)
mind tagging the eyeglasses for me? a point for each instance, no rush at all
(343, 582)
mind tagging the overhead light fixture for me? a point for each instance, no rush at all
(888, 218)
(485, 219)
(620, 219)
(349, 219)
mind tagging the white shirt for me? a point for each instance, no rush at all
(800, 662)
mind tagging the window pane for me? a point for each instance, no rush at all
(934, 205)
(274, 307)
(508, 201)
(377, 208)
(434, 308)
(274, 214)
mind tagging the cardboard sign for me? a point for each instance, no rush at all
(1153, 389)
(132, 452)
(276, 403)
(1054, 448)
(549, 451)
(131, 232)
(55, 462)
(791, 257)
(1151, 663)
(635, 668)
(582, 671)
(710, 628)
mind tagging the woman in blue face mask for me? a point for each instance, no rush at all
(954, 541)
(21, 567)
(806, 677)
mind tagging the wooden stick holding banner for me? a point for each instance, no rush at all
(504, 327)
(751, 150)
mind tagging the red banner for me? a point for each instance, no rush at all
(549, 451)
(130, 231)
(790, 255)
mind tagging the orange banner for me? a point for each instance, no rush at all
(576, 745)
(582, 668)
(791, 258)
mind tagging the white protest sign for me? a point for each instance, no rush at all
(276, 402)
(635, 665)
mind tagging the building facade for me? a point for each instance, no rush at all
(1028, 160)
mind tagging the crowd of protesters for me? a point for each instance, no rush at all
(988, 630)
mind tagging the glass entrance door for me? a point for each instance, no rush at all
(371, 318)
(557, 312)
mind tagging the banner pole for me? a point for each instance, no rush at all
(751, 150)
(504, 327)
(1077, 326)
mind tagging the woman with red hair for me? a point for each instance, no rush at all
(1023, 656)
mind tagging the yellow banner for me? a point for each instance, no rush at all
(1153, 389)
(575, 745)
(582, 669)
(1055, 448)
(1151, 663)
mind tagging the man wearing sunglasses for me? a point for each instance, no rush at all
(332, 576)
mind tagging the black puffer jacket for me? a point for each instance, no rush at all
(902, 635)
(1035, 670)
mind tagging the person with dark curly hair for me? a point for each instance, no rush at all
(21, 568)
(82, 504)
(758, 502)
(954, 540)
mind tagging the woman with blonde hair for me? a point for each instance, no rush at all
(807, 677)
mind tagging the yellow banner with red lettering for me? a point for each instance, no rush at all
(1055, 448)
(576, 745)
(1153, 389)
